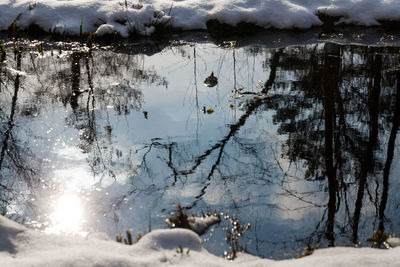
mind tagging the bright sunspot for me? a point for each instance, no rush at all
(67, 216)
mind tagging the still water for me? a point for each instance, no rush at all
(299, 141)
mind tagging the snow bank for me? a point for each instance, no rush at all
(64, 16)
(363, 12)
(20, 246)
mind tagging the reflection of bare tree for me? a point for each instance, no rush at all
(367, 162)
(320, 119)
(319, 115)
(234, 128)
(328, 107)
(10, 123)
(212, 163)
(83, 114)
(91, 100)
(330, 86)
(77, 80)
(14, 161)
(389, 157)
(196, 91)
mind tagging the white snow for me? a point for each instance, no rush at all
(198, 224)
(393, 242)
(364, 12)
(201, 224)
(105, 29)
(20, 246)
(64, 16)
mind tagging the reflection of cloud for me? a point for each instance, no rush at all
(179, 193)
(293, 208)
(71, 153)
(74, 168)
(215, 196)
(296, 200)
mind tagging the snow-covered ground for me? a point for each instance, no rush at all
(20, 246)
(124, 15)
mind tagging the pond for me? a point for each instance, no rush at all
(298, 141)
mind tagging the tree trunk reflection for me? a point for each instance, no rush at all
(330, 86)
(367, 161)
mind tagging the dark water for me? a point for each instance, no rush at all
(302, 141)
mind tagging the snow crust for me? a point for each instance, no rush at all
(105, 29)
(197, 224)
(201, 224)
(20, 246)
(64, 16)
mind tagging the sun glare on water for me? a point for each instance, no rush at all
(67, 216)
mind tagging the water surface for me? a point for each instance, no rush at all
(299, 141)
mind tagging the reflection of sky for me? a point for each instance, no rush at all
(124, 178)
(133, 199)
